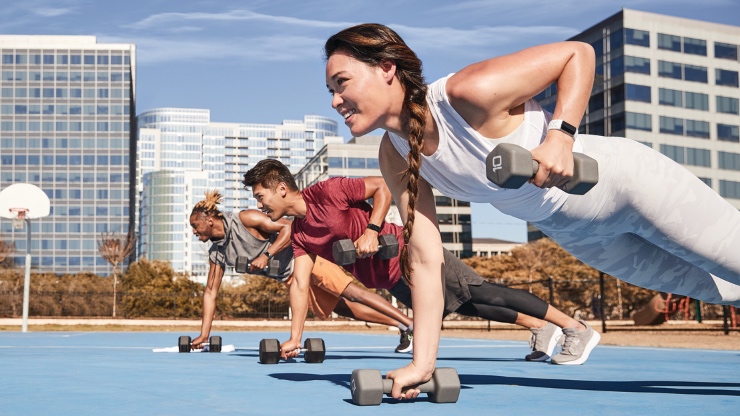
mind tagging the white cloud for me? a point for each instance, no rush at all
(50, 12)
(160, 19)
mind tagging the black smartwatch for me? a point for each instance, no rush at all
(374, 227)
(267, 253)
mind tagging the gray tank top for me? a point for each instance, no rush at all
(238, 241)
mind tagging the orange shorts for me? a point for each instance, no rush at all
(328, 281)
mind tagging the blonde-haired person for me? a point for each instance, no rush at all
(253, 235)
(648, 221)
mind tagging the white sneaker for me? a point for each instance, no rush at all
(577, 345)
(543, 342)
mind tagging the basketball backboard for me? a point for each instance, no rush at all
(24, 196)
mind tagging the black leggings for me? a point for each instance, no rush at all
(501, 304)
(467, 293)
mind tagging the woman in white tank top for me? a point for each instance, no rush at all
(648, 221)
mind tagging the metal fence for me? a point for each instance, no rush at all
(592, 299)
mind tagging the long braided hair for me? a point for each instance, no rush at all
(208, 206)
(373, 43)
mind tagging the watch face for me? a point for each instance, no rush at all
(568, 128)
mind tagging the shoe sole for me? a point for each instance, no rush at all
(538, 360)
(592, 343)
(409, 349)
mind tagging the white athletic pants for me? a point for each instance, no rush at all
(651, 223)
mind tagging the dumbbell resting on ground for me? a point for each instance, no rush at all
(314, 351)
(344, 251)
(214, 344)
(368, 387)
(510, 166)
(243, 265)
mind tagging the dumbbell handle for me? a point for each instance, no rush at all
(427, 387)
(568, 186)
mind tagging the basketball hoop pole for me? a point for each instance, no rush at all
(27, 279)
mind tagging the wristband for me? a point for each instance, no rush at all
(374, 227)
(267, 253)
(563, 126)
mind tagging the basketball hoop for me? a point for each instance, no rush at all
(19, 221)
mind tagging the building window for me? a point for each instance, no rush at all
(616, 39)
(671, 125)
(729, 189)
(696, 128)
(698, 157)
(639, 121)
(356, 162)
(674, 152)
(670, 97)
(728, 105)
(729, 161)
(726, 78)
(669, 42)
(725, 51)
(596, 128)
(638, 93)
(669, 70)
(616, 94)
(707, 181)
(596, 102)
(695, 73)
(695, 46)
(335, 162)
(697, 101)
(637, 37)
(728, 133)
(598, 46)
(618, 123)
(638, 65)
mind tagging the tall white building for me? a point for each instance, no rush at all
(67, 106)
(182, 153)
(672, 84)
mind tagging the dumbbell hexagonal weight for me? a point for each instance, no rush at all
(368, 387)
(510, 166)
(214, 344)
(314, 351)
(344, 251)
(243, 265)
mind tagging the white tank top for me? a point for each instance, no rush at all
(458, 167)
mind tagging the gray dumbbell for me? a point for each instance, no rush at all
(314, 351)
(510, 166)
(243, 265)
(368, 387)
(214, 344)
(344, 251)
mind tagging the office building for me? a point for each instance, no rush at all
(672, 84)
(182, 153)
(359, 158)
(66, 114)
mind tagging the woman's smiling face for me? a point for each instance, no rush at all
(359, 92)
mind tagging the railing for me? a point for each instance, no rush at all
(591, 299)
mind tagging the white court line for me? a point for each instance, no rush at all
(98, 347)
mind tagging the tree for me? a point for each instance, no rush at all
(6, 249)
(114, 249)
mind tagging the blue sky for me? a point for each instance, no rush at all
(260, 61)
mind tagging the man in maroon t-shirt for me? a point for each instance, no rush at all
(337, 209)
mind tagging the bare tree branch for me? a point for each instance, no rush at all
(114, 249)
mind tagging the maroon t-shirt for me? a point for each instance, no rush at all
(336, 209)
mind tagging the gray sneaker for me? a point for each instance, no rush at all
(577, 345)
(543, 342)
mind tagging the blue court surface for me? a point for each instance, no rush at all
(93, 373)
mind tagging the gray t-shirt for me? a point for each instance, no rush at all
(238, 241)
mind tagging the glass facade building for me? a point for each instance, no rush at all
(672, 84)
(182, 153)
(358, 159)
(66, 113)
